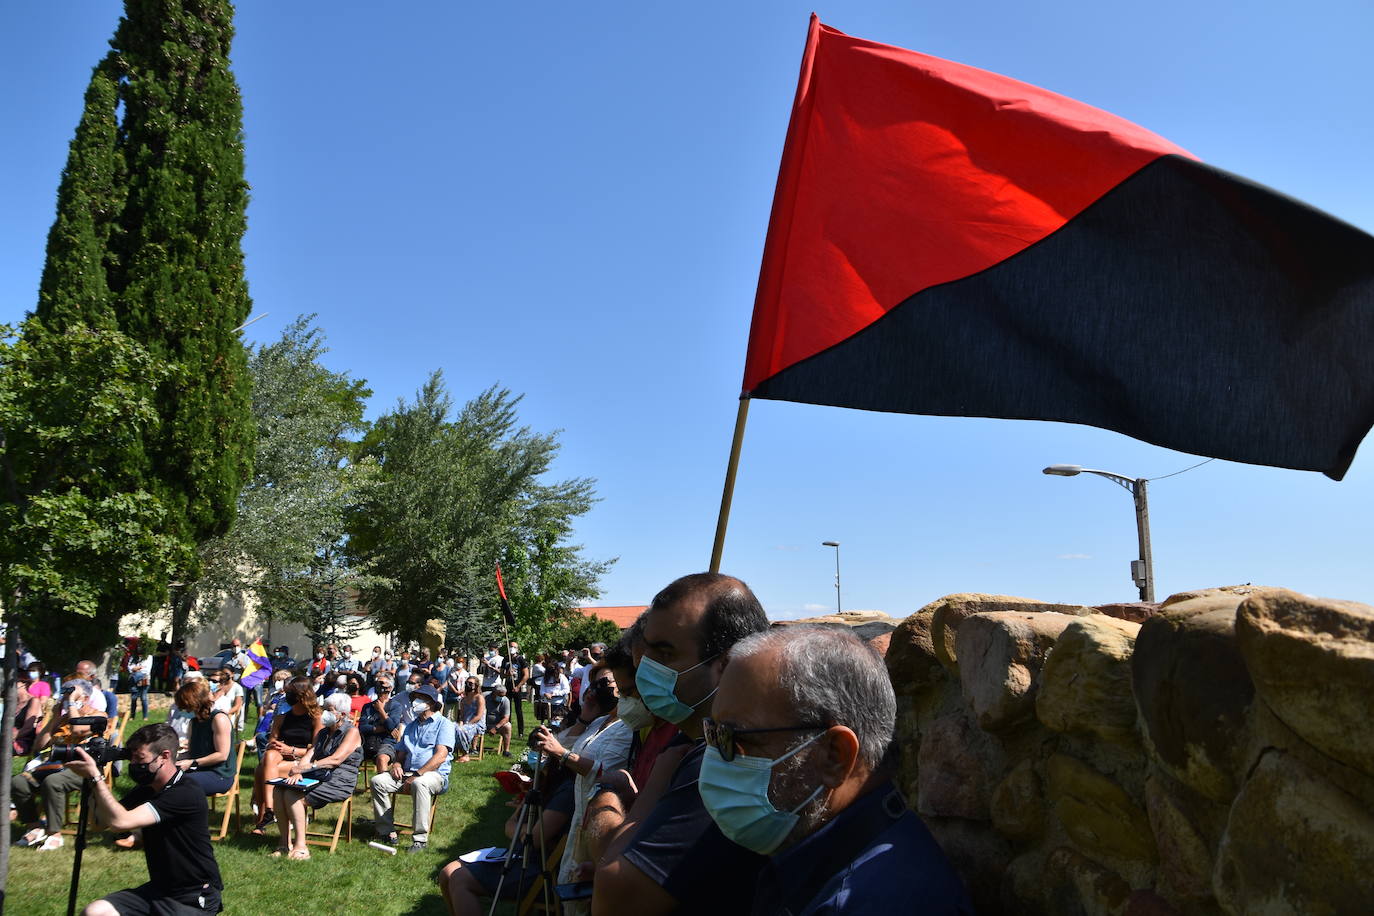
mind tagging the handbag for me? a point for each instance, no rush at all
(541, 709)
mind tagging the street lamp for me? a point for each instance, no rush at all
(1143, 569)
(836, 545)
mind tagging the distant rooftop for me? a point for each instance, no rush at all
(623, 616)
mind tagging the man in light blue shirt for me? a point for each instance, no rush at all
(420, 766)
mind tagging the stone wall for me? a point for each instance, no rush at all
(1211, 754)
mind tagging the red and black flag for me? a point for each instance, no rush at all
(948, 241)
(505, 603)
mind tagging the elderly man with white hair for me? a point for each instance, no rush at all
(327, 773)
(797, 768)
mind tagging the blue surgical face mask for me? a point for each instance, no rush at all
(735, 794)
(657, 684)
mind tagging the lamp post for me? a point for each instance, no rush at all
(1143, 569)
(836, 545)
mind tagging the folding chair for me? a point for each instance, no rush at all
(533, 901)
(120, 724)
(402, 826)
(232, 791)
(329, 839)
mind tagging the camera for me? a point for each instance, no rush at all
(101, 751)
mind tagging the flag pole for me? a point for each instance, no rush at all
(729, 492)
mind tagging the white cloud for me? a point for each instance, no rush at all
(1074, 556)
(813, 608)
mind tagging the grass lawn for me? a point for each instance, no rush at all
(365, 880)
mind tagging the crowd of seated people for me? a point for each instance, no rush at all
(700, 752)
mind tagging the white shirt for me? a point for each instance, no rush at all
(225, 702)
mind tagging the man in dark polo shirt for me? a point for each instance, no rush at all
(171, 812)
(668, 856)
(796, 747)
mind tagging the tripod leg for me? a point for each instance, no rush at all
(83, 813)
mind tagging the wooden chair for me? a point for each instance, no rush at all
(231, 792)
(117, 738)
(533, 901)
(330, 840)
(402, 826)
(365, 777)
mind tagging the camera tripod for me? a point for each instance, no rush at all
(83, 815)
(529, 820)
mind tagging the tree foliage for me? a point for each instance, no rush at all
(77, 544)
(147, 240)
(286, 541)
(453, 496)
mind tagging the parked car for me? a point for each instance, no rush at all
(218, 660)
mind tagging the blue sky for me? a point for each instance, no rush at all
(574, 205)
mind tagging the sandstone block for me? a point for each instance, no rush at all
(1294, 844)
(979, 856)
(1097, 814)
(1186, 845)
(948, 612)
(1002, 653)
(957, 766)
(1312, 662)
(1192, 690)
(1134, 611)
(910, 656)
(1078, 884)
(1085, 686)
(1017, 806)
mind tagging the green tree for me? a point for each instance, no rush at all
(285, 542)
(74, 549)
(147, 240)
(453, 496)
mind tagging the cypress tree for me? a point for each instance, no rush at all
(147, 241)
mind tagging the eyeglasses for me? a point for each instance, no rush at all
(722, 737)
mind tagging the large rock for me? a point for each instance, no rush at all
(1078, 884)
(1186, 827)
(1018, 806)
(1097, 814)
(1085, 686)
(957, 766)
(948, 612)
(1312, 662)
(1134, 611)
(910, 656)
(1002, 653)
(1192, 690)
(1294, 844)
(979, 855)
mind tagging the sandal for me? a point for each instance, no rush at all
(260, 828)
(279, 852)
(299, 855)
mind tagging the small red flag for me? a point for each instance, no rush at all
(505, 602)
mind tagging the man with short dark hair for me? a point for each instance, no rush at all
(171, 811)
(796, 769)
(668, 855)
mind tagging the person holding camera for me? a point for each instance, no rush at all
(172, 812)
(51, 780)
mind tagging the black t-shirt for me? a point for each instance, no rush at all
(517, 666)
(177, 847)
(684, 852)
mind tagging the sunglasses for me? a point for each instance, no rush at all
(722, 737)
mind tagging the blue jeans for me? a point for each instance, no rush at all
(138, 693)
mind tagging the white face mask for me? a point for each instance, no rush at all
(348, 655)
(420, 707)
(377, 652)
(329, 718)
